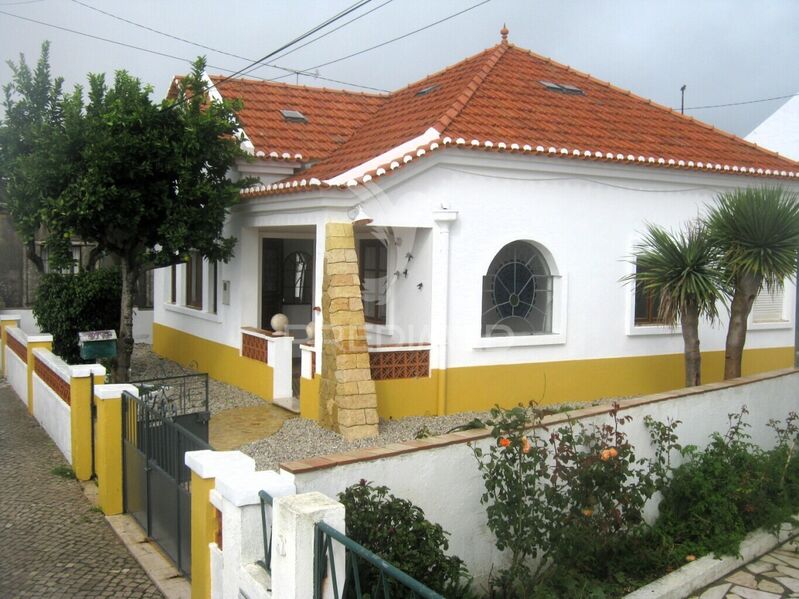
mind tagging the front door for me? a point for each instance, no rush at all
(271, 280)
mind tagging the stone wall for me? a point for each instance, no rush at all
(348, 401)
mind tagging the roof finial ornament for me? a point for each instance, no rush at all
(504, 33)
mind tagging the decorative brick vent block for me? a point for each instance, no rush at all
(400, 364)
(52, 380)
(17, 347)
(253, 347)
(347, 396)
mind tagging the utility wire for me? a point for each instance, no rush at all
(329, 32)
(396, 39)
(231, 54)
(308, 33)
(742, 103)
(164, 54)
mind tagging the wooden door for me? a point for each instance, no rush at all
(271, 280)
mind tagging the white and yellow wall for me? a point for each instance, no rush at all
(453, 211)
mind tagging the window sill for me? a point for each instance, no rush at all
(769, 326)
(653, 329)
(520, 341)
(379, 329)
(193, 312)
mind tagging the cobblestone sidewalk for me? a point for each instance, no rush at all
(773, 576)
(52, 543)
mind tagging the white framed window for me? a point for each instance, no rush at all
(192, 288)
(523, 298)
(772, 309)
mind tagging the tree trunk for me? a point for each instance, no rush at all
(30, 252)
(125, 339)
(746, 289)
(690, 337)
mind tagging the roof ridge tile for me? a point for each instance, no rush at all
(445, 119)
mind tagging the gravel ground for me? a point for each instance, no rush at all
(300, 438)
(147, 365)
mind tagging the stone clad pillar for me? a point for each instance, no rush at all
(348, 401)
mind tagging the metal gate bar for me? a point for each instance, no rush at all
(157, 483)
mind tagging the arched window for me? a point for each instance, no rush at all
(517, 292)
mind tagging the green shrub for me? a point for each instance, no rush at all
(398, 532)
(731, 488)
(68, 303)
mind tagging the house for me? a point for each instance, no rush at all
(780, 131)
(493, 206)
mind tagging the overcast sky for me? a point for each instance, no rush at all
(725, 51)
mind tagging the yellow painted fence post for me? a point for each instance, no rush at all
(108, 446)
(6, 320)
(80, 393)
(205, 466)
(35, 342)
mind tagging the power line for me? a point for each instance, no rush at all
(396, 39)
(308, 33)
(233, 55)
(164, 54)
(742, 103)
(379, 6)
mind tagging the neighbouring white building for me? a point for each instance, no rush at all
(506, 194)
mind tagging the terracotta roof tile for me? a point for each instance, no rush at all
(495, 101)
(332, 115)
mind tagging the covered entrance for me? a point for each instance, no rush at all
(287, 286)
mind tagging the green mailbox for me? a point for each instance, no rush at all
(97, 344)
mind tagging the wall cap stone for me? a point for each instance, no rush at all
(207, 463)
(241, 488)
(53, 362)
(104, 391)
(10, 317)
(82, 371)
(376, 453)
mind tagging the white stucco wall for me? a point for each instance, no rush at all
(16, 370)
(447, 485)
(54, 415)
(142, 324)
(587, 215)
(780, 131)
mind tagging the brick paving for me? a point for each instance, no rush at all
(52, 543)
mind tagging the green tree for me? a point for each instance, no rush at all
(681, 268)
(145, 182)
(756, 231)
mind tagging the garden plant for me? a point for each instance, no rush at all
(568, 503)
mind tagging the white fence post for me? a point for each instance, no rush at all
(293, 553)
(236, 496)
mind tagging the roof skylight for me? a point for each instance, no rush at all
(563, 88)
(426, 90)
(294, 116)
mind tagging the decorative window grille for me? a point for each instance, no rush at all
(517, 293)
(297, 277)
(768, 306)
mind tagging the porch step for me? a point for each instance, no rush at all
(292, 404)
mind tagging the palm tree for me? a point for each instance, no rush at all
(756, 231)
(680, 268)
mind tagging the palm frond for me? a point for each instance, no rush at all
(682, 268)
(756, 231)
